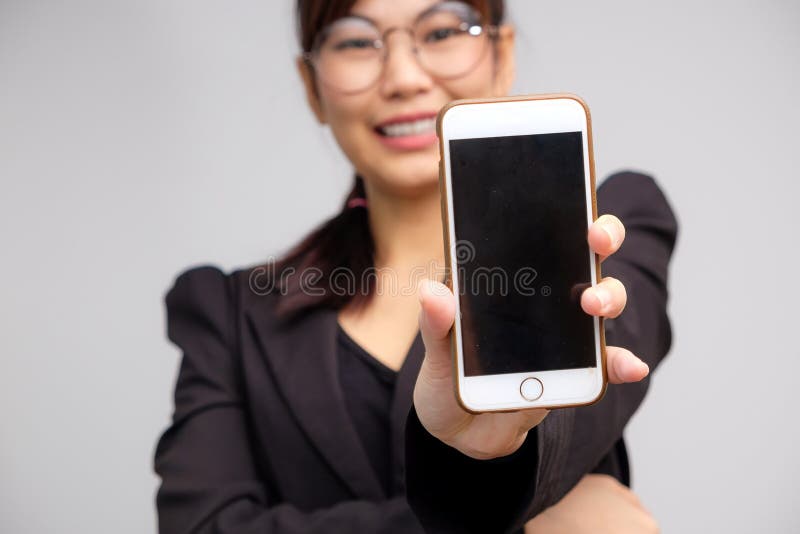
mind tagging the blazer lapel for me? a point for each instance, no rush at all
(302, 356)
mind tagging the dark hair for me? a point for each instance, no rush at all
(314, 15)
(344, 242)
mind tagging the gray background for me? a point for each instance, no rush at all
(138, 138)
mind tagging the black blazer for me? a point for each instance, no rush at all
(261, 440)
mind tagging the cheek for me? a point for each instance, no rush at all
(346, 117)
(479, 83)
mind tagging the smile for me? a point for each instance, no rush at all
(417, 127)
(408, 132)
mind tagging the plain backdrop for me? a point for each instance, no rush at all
(140, 137)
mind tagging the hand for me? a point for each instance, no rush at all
(490, 435)
(598, 504)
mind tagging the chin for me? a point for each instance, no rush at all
(411, 174)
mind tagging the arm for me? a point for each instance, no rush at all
(570, 442)
(641, 264)
(210, 480)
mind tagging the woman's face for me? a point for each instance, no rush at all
(387, 129)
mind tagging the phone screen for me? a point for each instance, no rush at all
(522, 259)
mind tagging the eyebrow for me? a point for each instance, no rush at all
(433, 7)
(361, 17)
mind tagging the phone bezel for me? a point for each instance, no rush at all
(519, 115)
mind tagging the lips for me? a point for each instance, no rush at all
(408, 132)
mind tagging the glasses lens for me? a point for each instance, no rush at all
(450, 40)
(348, 56)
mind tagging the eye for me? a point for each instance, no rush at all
(354, 44)
(440, 34)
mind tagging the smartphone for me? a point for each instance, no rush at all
(518, 196)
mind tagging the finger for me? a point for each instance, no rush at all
(606, 299)
(623, 366)
(437, 313)
(606, 235)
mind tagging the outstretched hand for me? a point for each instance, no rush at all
(494, 434)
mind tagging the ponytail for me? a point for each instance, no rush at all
(342, 244)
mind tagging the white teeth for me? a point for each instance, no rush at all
(417, 127)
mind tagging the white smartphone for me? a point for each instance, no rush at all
(518, 196)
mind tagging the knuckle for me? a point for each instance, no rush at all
(650, 525)
(635, 500)
(621, 489)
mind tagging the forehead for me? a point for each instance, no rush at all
(391, 12)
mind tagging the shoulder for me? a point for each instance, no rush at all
(201, 287)
(208, 293)
(198, 283)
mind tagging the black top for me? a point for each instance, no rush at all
(368, 387)
(262, 440)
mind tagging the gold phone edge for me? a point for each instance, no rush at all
(443, 192)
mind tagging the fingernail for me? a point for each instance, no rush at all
(602, 297)
(612, 235)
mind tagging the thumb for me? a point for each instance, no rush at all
(438, 310)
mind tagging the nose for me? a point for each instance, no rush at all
(403, 76)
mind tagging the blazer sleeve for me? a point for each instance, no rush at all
(641, 264)
(209, 479)
(446, 488)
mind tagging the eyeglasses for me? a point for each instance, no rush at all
(449, 40)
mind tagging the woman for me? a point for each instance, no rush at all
(300, 407)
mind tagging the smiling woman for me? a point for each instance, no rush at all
(378, 83)
(303, 405)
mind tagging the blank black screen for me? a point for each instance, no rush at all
(519, 208)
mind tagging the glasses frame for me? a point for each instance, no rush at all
(491, 31)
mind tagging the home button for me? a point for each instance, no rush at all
(531, 389)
